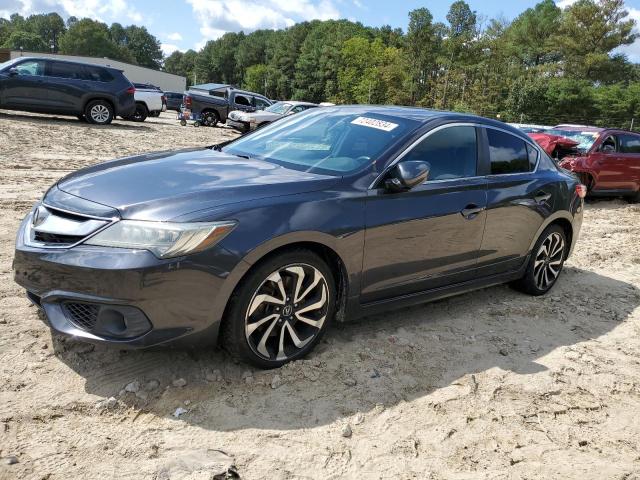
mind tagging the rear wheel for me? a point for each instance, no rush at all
(210, 119)
(98, 112)
(281, 310)
(546, 262)
(141, 113)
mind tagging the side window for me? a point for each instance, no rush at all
(451, 153)
(609, 145)
(31, 67)
(261, 104)
(298, 109)
(64, 70)
(242, 100)
(96, 74)
(533, 157)
(630, 144)
(508, 153)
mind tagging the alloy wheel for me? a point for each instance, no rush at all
(287, 312)
(99, 113)
(548, 261)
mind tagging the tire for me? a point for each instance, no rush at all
(183, 123)
(154, 114)
(635, 198)
(141, 113)
(99, 112)
(546, 262)
(196, 124)
(210, 118)
(267, 326)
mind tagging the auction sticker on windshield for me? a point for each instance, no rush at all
(375, 123)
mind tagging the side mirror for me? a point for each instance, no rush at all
(13, 72)
(406, 175)
(608, 148)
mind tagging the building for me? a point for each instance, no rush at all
(137, 74)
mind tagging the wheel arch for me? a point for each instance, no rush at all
(319, 245)
(565, 221)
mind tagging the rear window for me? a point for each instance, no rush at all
(508, 153)
(629, 143)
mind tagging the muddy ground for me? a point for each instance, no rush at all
(488, 385)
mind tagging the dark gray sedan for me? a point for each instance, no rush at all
(261, 243)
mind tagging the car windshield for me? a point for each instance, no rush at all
(585, 139)
(279, 108)
(8, 63)
(325, 141)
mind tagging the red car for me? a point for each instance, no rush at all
(608, 162)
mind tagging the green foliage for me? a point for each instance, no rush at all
(549, 65)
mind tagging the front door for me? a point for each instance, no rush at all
(28, 88)
(429, 236)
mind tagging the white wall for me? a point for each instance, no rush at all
(166, 81)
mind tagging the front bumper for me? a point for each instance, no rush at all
(238, 125)
(135, 299)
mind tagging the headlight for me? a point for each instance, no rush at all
(163, 239)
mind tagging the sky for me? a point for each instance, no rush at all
(184, 24)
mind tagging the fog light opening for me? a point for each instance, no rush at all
(112, 321)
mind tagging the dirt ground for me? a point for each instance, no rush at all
(488, 385)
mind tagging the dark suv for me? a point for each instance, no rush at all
(46, 85)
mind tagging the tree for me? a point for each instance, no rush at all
(25, 40)
(533, 35)
(91, 38)
(590, 31)
(462, 20)
(143, 47)
(49, 27)
(423, 44)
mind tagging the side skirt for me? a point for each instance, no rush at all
(357, 310)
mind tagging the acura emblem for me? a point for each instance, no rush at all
(39, 216)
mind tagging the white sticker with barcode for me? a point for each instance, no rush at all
(375, 123)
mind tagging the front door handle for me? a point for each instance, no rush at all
(471, 211)
(542, 196)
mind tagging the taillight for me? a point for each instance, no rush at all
(187, 101)
(131, 90)
(581, 190)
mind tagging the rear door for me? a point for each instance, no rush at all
(518, 201)
(28, 88)
(67, 84)
(429, 236)
(629, 161)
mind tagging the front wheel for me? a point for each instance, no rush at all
(98, 112)
(546, 262)
(281, 311)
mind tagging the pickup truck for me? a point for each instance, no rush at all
(211, 103)
(148, 102)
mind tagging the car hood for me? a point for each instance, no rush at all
(164, 186)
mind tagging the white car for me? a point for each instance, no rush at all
(247, 121)
(149, 102)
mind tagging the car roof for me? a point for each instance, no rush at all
(73, 62)
(579, 128)
(297, 102)
(425, 115)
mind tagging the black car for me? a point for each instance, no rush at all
(174, 100)
(46, 85)
(261, 243)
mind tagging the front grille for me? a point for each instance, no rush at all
(56, 239)
(82, 315)
(50, 227)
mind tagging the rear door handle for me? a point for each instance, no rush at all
(471, 211)
(542, 196)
